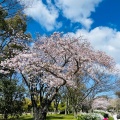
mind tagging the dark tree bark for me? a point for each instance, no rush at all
(40, 113)
(5, 115)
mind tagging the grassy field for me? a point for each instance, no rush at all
(50, 117)
(59, 117)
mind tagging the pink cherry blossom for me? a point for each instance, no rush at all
(59, 59)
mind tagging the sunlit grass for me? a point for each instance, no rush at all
(49, 117)
(25, 117)
(59, 117)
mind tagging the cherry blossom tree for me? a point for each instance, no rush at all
(53, 62)
(101, 103)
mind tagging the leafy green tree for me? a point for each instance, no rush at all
(61, 107)
(51, 107)
(117, 105)
(12, 27)
(13, 39)
(27, 105)
(11, 97)
(118, 94)
(12, 32)
(74, 98)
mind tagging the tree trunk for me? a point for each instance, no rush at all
(39, 114)
(5, 115)
(67, 105)
(75, 112)
(43, 114)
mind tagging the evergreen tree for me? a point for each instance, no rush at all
(11, 98)
(13, 39)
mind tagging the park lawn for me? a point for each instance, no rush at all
(60, 116)
(23, 117)
(49, 117)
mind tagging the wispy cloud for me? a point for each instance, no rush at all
(46, 15)
(78, 10)
(103, 38)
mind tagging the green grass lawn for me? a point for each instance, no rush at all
(23, 117)
(59, 117)
(49, 117)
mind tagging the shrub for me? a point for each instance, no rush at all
(102, 112)
(89, 117)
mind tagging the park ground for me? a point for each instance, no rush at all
(49, 117)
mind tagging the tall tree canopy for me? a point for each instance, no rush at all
(11, 97)
(13, 38)
(53, 62)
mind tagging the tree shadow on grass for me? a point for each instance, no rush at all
(54, 117)
(25, 118)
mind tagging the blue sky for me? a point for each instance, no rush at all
(105, 14)
(97, 20)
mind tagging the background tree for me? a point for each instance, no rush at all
(46, 70)
(11, 6)
(118, 94)
(12, 40)
(101, 103)
(87, 89)
(74, 98)
(27, 105)
(56, 102)
(12, 28)
(113, 105)
(11, 97)
(117, 108)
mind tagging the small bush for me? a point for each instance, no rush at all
(102, 112)
(87, 117)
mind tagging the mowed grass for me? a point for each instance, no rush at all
(23, 117)
(59, 117)
(49, 117)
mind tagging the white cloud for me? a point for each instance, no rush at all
(78, 10)
(103, 38)
(45, 15)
